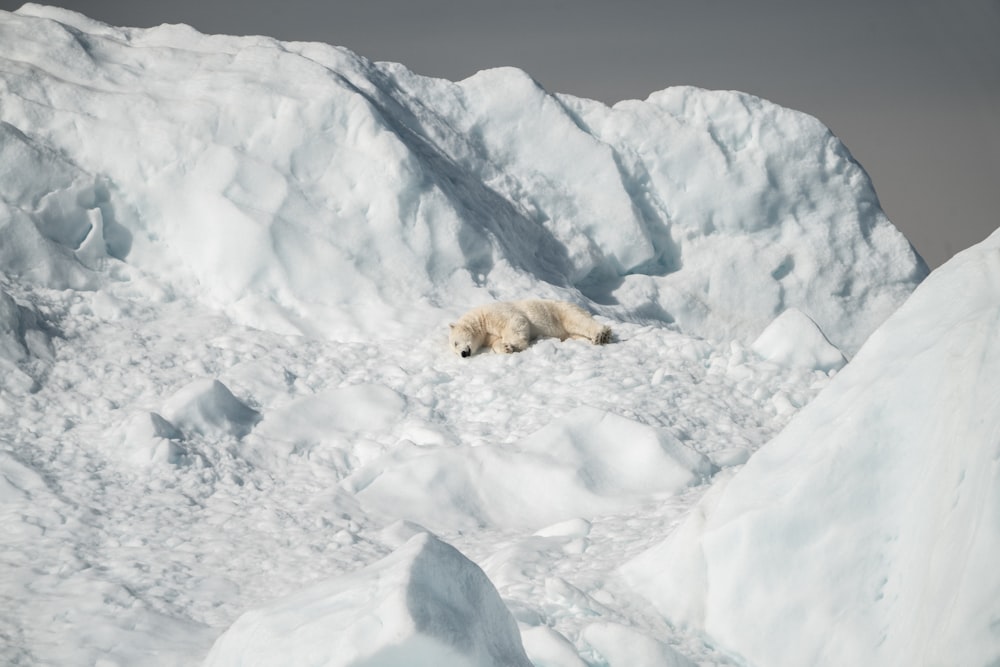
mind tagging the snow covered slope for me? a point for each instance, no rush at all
(227, 168)
(227, 265)
(868, 532)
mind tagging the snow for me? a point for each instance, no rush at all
(794, 340)
(424, 604)
(620, 645)
(305, 155)
(207, 407)
(584, 463)
(229, 419)
(868, 529)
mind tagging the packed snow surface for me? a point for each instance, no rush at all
(228, 409)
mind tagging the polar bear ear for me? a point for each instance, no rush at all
(452, 325)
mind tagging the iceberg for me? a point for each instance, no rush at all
(227, 169)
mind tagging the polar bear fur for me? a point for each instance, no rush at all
(510, 326)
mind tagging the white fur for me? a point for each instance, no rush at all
(510, 326)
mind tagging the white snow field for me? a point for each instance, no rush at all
(232, 432)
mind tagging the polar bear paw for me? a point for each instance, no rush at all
(603, 337)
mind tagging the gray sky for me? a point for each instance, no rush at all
(912, 88)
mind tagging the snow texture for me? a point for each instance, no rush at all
(229, 415)
(424, 605)
(868, 530)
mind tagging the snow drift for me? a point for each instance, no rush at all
(794, 340)
(588, 462)
(227, 168)
(422, 606)
(867, 532)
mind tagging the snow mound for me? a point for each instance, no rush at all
(714, 211)
(794, 340)
(206, 407)
(147, 438)
(867, 532)
(201, 410)
(588, 462)
(423, 605)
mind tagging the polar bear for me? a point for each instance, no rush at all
(509, 326)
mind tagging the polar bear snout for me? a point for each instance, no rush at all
(462, 340)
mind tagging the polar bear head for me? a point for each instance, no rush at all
(463, 339)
